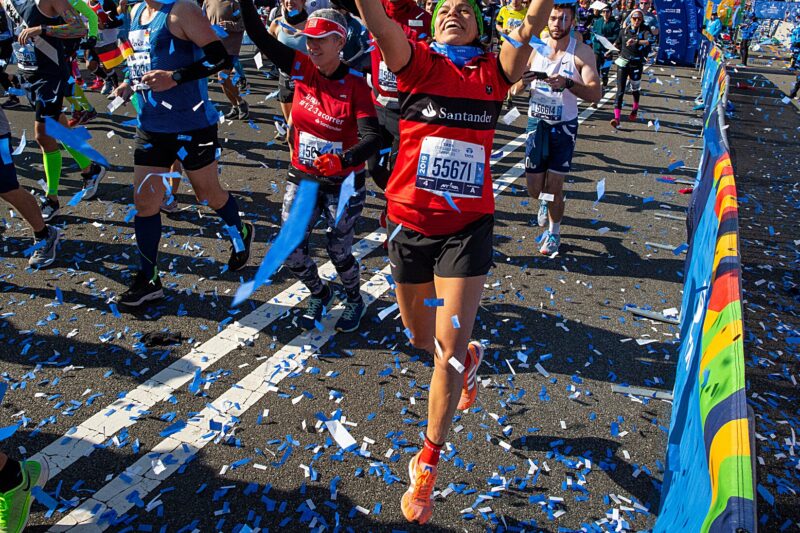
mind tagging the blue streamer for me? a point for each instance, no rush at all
(75, 200)
(3, 389)
(5, 151)
(8, 431)
(511, 41)
(450, 201)
(75, 138)
(219, 31)
(347, 190)
(289, 238)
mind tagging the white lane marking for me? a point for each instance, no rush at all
(80, 441)
(141, 477)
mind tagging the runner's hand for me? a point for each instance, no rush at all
(328, 164)
(159, 80)
(28, 34)
(123, 91)
(557, 82)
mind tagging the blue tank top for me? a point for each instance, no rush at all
(183, 108)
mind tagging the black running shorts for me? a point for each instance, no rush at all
(195, 149)
(416, 258)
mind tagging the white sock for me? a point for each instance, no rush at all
(555, 228)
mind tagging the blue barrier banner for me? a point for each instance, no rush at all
(709, 474)
(679, 36)
(764, 9)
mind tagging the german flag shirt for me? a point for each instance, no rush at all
(442, 181)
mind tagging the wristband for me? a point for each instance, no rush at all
(569, 84)
(43, 30)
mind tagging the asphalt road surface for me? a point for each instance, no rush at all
(226, 429)
(765, 157)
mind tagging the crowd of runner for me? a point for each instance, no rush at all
(366, 92)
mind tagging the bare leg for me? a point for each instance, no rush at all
(461, 296)
(28, 207)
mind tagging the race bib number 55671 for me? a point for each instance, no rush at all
(448, 165)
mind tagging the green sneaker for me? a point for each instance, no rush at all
(15, 505)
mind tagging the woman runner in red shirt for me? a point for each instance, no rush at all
(440, 198)
(334, 129)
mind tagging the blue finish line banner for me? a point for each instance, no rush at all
(679, 37)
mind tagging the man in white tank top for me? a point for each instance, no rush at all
(556, 81)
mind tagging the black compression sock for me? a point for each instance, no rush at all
(11, 475)
(42, 234)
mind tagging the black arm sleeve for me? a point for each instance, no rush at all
(115, 20)
(369, 131)
(214, 60)
(276, 51)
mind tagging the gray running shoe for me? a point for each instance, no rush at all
(46, 254)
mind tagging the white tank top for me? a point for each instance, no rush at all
(546, 104)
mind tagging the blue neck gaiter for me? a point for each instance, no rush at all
(459, 55)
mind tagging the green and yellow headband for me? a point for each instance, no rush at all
(475, 8)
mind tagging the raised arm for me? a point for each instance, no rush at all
(513, 59)
(276, 51)
(389, 36)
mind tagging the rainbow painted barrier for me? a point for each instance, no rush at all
(708, 482)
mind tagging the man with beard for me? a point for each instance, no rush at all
(557, 81)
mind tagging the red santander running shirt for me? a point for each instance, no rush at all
(416, 23)
(446, 138)
(325, 114)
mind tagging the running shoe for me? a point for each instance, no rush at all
(469, 391)
(614, 123)
(50, 208)
(541, 216)
(44, 256)
(169, 207)
(15, 505)
(550, 244)
(416, 504)
(352, 315)
(242, 84)
(75, 119)
(143, 289)
(233, 113)
(87, 116)
(107, 87)
(11, 103)
(96, 85)
(244, 111)
(634, 114)
(238, 260)
(91, 180)
(317, 306)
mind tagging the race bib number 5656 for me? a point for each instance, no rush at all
(448, 165)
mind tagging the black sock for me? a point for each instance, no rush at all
(148, 234)
(42, 234)
(91, 171)
(10, 475)
(353, 295)
(230, 214)
(324, 293)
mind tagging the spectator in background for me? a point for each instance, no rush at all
(747, 31)
(625, 12)
(608, 27)
(714, 26)
(227, 15)
(510, 17)
(584, 18)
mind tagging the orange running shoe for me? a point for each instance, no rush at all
(470, 389)
(416, 504)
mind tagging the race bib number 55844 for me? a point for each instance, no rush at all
(448, 165)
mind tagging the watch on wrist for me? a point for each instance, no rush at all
(569, 84)
(42, 30)
(177, 77)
